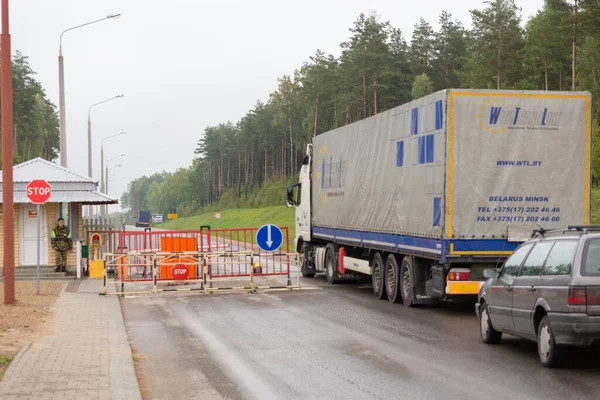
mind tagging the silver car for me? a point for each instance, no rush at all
(548, 291)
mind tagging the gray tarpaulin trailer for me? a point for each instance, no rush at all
(426, 195)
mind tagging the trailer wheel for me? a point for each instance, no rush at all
(392, 279)
(331, 265)
(378, 276)
(304, 261)
(407, 281)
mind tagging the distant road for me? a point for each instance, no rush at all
(132, 228)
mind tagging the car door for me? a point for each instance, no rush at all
(556, 275)
(526, 285)
(499, 293)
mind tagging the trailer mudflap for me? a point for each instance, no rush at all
(419, 291)
(436, 285)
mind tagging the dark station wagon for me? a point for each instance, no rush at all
(548, 291)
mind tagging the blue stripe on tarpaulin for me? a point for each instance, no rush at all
(330, 169)
(323, 173)
(422, 150)
(429, 140)
(435, 247)
(392, 241)
(484, 245)
(400, 154)
(437, 211)
(340, 177)
(439, 114)
(414, 127)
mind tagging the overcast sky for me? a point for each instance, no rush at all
(184, 64)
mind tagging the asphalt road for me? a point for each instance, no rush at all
(334, 342)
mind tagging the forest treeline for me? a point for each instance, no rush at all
(35, 119)
(377, 69)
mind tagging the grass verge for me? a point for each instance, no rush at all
(238, 218)
(4, 361)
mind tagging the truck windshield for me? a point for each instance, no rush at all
(591, 257)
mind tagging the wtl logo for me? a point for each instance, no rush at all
(518, 116)
(501, 117)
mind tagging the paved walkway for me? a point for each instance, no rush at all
(88, 357)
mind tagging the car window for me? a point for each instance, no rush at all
(511, 266)
(535, 260)
(561, 257)
(591, 258)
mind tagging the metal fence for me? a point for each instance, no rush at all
(203, 257)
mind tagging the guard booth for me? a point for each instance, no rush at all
(70, 192)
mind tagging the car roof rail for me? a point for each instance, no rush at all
(541, 231)
(584, 228)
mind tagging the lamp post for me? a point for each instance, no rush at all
(90, 131)
(61, 90)
(102, 158)
(105, 210)
(108, 169)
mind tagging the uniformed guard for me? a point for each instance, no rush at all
(61, 242)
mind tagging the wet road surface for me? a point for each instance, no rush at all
(334, 342)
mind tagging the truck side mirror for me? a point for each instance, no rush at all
(290, 196)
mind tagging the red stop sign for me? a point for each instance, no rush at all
(180, 272)
(38, 191)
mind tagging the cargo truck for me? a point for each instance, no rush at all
(142, 219)
(425, 196)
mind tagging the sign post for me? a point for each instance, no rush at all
(38, 192)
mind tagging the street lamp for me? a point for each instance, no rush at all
(106, 179)
(90, 131)
(61, 91)
(108, 169)
(102, 158)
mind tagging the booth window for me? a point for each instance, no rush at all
(69, 211)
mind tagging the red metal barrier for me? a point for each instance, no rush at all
(217, 246)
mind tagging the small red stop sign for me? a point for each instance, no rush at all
(180, 272)
(38, 191)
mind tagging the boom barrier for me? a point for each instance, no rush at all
(204, 260)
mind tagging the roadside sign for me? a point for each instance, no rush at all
(157, 218)
(218, 216)
(180, 272)
(172, 216)
(269, 237)
(38, 191)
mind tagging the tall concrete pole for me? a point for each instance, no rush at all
(8, 220)
(61, 110)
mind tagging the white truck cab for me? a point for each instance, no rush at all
(299, 195)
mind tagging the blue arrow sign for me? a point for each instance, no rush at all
(269, 237)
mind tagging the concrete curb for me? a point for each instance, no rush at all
(13, 364)
(123, 378)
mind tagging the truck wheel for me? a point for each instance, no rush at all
(378, 276)
(331, 265)
(391, 279)
(551, 354)
(406, 282)
(304, 261)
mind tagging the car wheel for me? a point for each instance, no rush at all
(549, 352)
(378, 276)
(488, 334)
